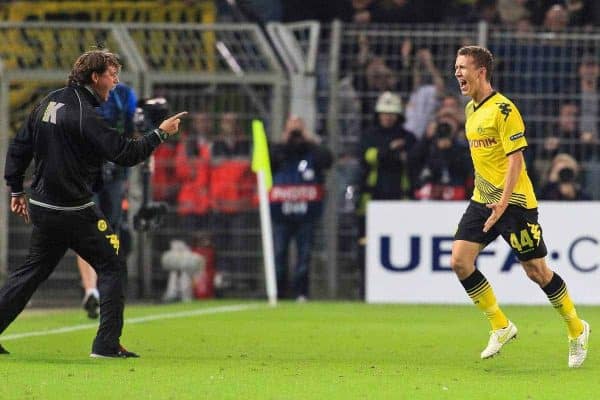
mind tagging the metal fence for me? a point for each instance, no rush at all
(36, 58)
(330, 74)
(217, 69)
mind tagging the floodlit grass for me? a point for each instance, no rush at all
(300, 351)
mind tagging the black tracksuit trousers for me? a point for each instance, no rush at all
(89, 234)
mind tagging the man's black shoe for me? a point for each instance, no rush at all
(3, 350)
(122, 353)
(91, 304)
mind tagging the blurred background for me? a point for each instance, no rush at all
(349, 69)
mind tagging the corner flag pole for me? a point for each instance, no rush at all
(261, 165)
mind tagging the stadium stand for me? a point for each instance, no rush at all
(172, 49)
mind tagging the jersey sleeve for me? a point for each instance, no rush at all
(111, 146)
(511, 128)
(19, 156)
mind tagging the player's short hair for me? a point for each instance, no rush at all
(482, 57)
(92, 61)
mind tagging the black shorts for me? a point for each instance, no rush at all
(518, 226)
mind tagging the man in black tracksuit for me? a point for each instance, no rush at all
(68, 142)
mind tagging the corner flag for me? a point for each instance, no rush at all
(261, 165)
(260, 152)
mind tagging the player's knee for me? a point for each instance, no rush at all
(538, 276)
(534, 275)
(537, 272)
(459, 264)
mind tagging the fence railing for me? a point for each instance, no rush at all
(212, 69)
(332, 74)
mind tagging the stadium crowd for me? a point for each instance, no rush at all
(402, 118)
(511, 12)
(577, 13)
(530, 72)
(401, 124)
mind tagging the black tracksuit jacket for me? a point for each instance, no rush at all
(69, 141)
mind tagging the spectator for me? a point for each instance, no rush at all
(579, 12)
(390, 12)
(537, 10)
(118, 112)
(379, 78)
(450, 106)
(192, 168)
(428, 87)
(523, 27)
(589, 103)
(230, 166)
(562, 180)
(163, 167)
(484, 10)
(565, 136)
(589, 72)
(164, 188)
(592, 13)
(441, 165)
(232, 195)
(350, 115)
(360, 11)
(298, 164)
(556, 18)
(373, 74)
(383, 153)
(383, 157)
(512, 11)
(551, 61)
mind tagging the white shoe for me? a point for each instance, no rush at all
(499, 338)
(578, 347)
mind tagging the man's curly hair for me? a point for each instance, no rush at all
(89, 62)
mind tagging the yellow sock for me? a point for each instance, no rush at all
(559, 297)
(482, 294)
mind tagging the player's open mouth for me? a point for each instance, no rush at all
(462, 83)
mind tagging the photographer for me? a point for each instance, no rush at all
(298, 164)
(562, 181)
(440, 164)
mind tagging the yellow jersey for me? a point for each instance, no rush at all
(494, 130)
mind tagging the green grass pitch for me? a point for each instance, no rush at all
(317, 350)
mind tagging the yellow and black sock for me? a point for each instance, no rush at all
(482, 294)
(558, 295)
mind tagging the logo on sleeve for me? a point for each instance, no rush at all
(50, 113)
(504, 109)
(102, 225)
(517, 136)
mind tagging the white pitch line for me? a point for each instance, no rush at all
(137, 320)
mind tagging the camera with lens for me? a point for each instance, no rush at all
(296, 136)
(566, 175)
(150, 113)
(150, 216)
(443, 131)
(148, 116)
